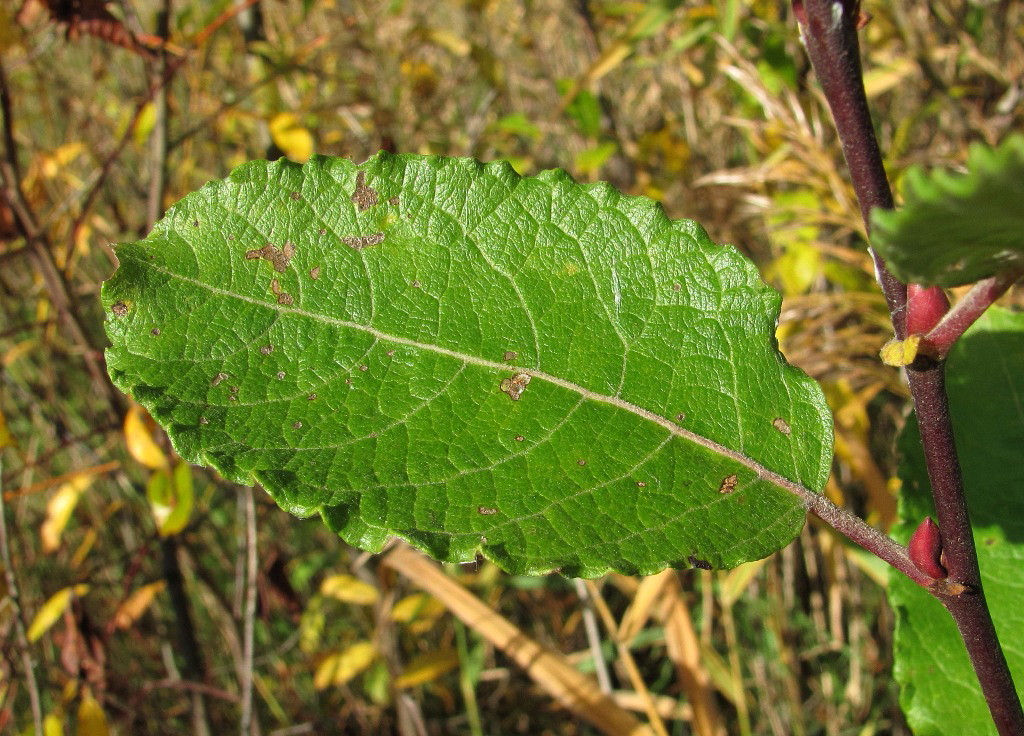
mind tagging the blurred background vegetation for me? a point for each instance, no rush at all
(143, 596)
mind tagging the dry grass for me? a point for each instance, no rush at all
(717, 118)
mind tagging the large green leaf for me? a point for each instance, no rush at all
(956, 228)
(939, 691)
(549, 373)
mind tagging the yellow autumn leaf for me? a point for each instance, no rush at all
(136, 604)
(92, 721)
(291, 137)
(53, 725)
(138, 436)
(349, 589)
(428, 667)
(52, 610)
(340, 667)
(59, 509)
(419, 612)
(6, 438)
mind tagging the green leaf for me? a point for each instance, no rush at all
(551, 374)
(938, 689)
(955, 228)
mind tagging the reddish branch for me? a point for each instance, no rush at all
(829, 32)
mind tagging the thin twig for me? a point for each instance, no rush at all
(966, 312)
(19, 623)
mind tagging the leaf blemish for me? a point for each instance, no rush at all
(680, 417)
(296, 425)
(204, 420)
(281, 375)
(515, 385)
(218, 378)
(364, 197)
(699, 563)
(641, 484)
(119, 309)
(311, 397)
(728, 484)
(279, 258)
(363, 241)
(486, 511)
(511, 355)
(581, 462)
(364, 368)
(314, 273)
(519, 438)
(393, 201)
(780, 424)
(296, 196)
(155, 332)
(267, 349)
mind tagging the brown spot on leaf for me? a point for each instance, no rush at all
(390, 353)
(363, 241)
(322, 231)
(204, 420)
(364, 197)
(218, 379)
(486, 511)
(296, 196)
(314, 273)
(296, 425)
(285, 299)
(281, 375)
(677, 287)
(277, 257)
(393, 201)
(511, 355)
(641, 484)
(311, 397)
(581, 462)
(515, 385)
(119, 309)
(728, 484)
(364, 368)
(155, 332)
(699, 563)
(519, 438)
(780, 424)
(680, 417)
(267, 349)
(415, 284)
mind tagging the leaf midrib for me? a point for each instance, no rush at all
(806, 496)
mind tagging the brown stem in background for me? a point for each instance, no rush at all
(829, 32)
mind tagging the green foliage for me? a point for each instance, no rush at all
(939, 691)
(956, 229)
(548, 373)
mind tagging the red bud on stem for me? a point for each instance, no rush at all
(925, 307)
(925, 549)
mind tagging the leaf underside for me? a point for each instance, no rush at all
(547, 373)
(939, 691)
(954, 228)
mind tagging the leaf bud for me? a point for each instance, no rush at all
(925, 549)
(925, 307)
